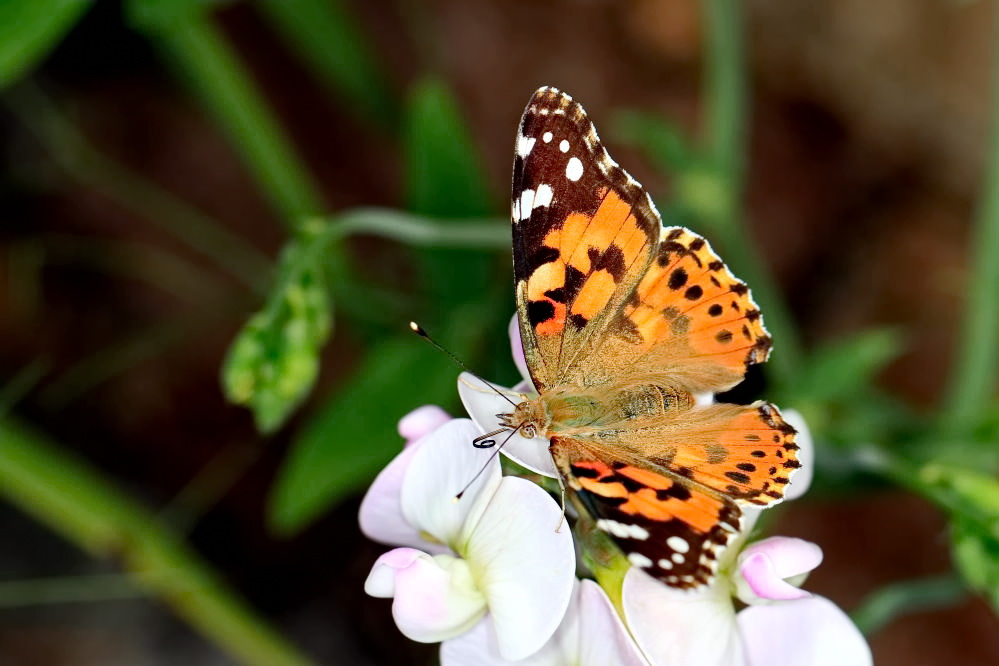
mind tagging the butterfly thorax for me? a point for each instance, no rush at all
(592, 412)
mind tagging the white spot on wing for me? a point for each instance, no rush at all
(639, 560)
(623, 530)
(546, 137)
(665, 564)
(677, 557)
(574, 169)
(679, 544)
(564, 146)
(544, 195)
(525, 204)
(525, 144)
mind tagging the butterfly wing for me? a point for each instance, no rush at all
(670, 493)
(601, 286)
(584, 233)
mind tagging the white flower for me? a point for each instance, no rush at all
(782, 626)
(495, 553)
(591, 634)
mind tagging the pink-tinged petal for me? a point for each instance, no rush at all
(801, 478)
(483, 404)
(381, 516)
(435, 598)
(422, 421)
(681, 627)
(517, 348)
(445, 464)
(591, 634)
(521, 554)
(811, 631)
(767, 565)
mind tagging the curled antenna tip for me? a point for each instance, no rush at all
(454, 500)
(416, 328)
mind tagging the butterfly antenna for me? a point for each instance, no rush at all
(484, 445)
(420, 331)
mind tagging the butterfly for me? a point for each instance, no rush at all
(623, 322)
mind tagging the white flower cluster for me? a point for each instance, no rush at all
(492, 576)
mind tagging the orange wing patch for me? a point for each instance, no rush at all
(690, 310)
(746, 453)
(593, 253)
(651, 496)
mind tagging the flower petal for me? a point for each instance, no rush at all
(766, 565)
(801, 479)
(681, 627)
(422, 421)
(517, 348)
(483, 404)
(381, 516)
(591, 634)
(811, 631)
(435, 597)
(443, 465)
(521, 553)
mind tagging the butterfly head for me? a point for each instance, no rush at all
(530, 418)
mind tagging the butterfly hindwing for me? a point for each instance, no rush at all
(668, 527)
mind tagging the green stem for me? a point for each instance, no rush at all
(725, 114)
(74, 500)
(972, 383)
(71, 151)
(422, 231)
(208, 62)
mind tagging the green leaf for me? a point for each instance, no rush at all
(274, 361)
(160, 14)
(354, 435)
(839, 369)
(444, 180)
(972, 500)
(890, 602)
(660, 141)
(328, 38)
(29, 29)
(444, 176)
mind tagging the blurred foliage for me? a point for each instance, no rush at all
(457, 252)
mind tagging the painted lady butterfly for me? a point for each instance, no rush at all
(623, 322)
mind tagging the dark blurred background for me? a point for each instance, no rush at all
(866, 154)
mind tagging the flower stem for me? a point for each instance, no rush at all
(726, 110)
(972, 383)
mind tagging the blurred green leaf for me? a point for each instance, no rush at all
(890, 602)
(327, 37)
(354, 435)
(204, 57)
(160, 14)
(73, 499)
(274, 361)
(972, 500)
(660, 141)
(837, 370)
(444, 179)
(29, 29)
(444, 176)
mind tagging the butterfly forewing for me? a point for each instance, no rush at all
(583, 234)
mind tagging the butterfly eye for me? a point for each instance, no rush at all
(529, 431)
